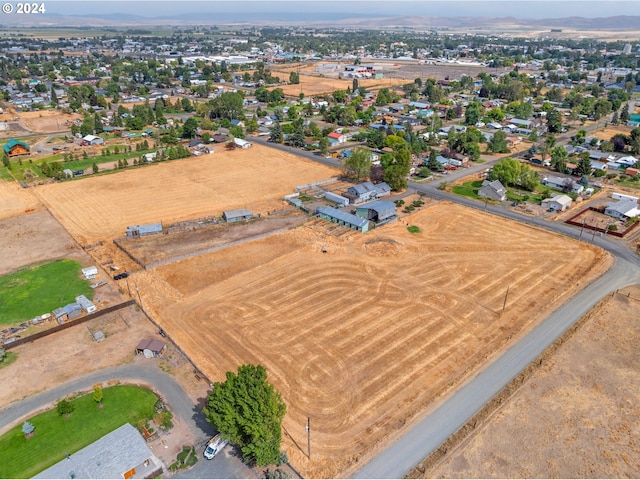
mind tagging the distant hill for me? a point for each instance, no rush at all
(328, 19)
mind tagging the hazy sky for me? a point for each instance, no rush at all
(499, 8)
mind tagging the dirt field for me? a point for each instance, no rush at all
(160, 248)
(256, 178)
(366, 337)
(47, 121)
(610, 131)
(576, 417)
(32, 238)
(15, 200)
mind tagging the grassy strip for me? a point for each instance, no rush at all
(27, 293)
(468, 189)
(55, 435)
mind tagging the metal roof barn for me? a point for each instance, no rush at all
(135, 231)
(377, 211)
(343, 218)
(237, 215)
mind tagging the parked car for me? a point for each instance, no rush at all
(215, 445)
(120, 276)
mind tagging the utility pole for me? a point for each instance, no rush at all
(582, 228)
(504, 305)
(309, 437)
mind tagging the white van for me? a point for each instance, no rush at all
(215, 445)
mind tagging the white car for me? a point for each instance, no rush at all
(215, 445)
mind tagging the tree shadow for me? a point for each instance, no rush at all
(200, 419)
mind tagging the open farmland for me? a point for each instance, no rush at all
(577, 416)
(15, 200)
(367, 337)
(100, 208)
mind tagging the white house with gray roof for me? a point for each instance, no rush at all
(122, 453)
(623, 209)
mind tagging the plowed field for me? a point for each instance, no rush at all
(101, 208)
(15, 200)
(366, 337)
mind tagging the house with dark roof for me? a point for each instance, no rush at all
(14, 148)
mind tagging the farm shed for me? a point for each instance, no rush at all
(92, 140)
(343, 218)
(151, 348)
(339, 199)
(14, 147)
(68, 312)
(237, 215)
(122, 453)
(67, 173)
(242, 143)
(86, 304)
(137, 231)
(493, 190)
(378, 211)
(558, 203)
(90, 272)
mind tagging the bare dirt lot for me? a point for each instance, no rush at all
(100, 208)
(161, 248)
(47, 121)
(610, 131)
(32, 238)
(576, 417)
(15, 200)
(367, 337)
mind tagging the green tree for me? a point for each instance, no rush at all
(324, 145)
(189, 128)
(624, 114)
(248, 411)
(511, 172)
(498, 143)
(358, 165)
(294, 78)
(95, 167)
(98, 395)
(64, 407)
(584, 165)
(97, 123)
(275, 133)
(554, 121)
(473, 113)
(559, 159)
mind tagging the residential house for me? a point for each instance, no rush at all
(367, 191)
(336, 138)
(493, 190)
(14, 148)
(562, 183)
(623, 209)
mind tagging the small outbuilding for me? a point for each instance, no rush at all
(237, 215)
(242, 143)
(86, 304)
(151, 348)
(90, 273)
(137, 231)
(557, 203)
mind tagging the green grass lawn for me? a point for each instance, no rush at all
(468, 189)
(27, 293)
(55, 435)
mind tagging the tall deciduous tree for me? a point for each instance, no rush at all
(248, 411)
(498, 143)
(358, 165)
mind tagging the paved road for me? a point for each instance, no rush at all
(225, 465)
